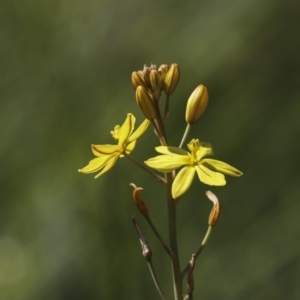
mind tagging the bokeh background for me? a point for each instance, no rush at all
(65, 71)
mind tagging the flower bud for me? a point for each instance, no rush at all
(137, 79)
(163, 70)
(145, 103)
(171, 79)
(139, 203)
(215, 212)
(196, 104)
(146, 76)
(155, 83)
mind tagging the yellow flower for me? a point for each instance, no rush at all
(107, 155)
(208, 170)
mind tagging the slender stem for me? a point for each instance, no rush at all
(205, 239)
(207, 235)
(190, 278)
(158, 132)
(167, 110)
(157, 234)
(177, 280)
(147, 253)
(157, 177)
(154, 278)
(160, 125)
(171, 204)
(185, 135)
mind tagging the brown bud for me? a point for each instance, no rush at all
(171, 79)
(196, 104)
(147, 253)
(215, 212)
(146, 76)
(139, 203)
(190, 277)
(144, 101)
(155, 83)
(163, 70)
(137, 79)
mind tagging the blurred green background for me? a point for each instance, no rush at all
(65, 71)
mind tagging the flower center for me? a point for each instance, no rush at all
(194, 146)
(115, 132)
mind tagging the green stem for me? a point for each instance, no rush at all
(158, 132)
(157, 177)
(185, 135)
(152, 226)
(205, 239)
(177, 281)
(171, 204)
(167, 112)
(160, 125)
(147, 255)
(154, 278)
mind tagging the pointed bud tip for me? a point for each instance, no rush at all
(144, 101)
(215, 211)
(171, 79)
(138, 201)
(137, 79)
(196, 104)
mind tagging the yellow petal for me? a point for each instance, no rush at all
(95, 164)
(183, 181)
(167, 163)
(126, 129)
(222, 167)
(210, 177)
(171, 150)
(204, 150)
(109, 165)
(139, 131)
(100, 150)
(130, 147)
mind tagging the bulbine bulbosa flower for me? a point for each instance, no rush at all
(209, 171)
(107, 155)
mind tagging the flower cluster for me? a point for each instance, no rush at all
(149, 85)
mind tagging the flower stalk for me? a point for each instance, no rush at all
(149, 85)
(177, 281)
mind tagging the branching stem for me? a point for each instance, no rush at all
(185, 135)
(157, 177)
(205, 239)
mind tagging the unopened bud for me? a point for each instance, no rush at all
(146, 76)
(171, 79)
(215, 212)
(163, 70)
(137, 79)
(155, 83)
(139, 203)
(196, 104)
(145, 103)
